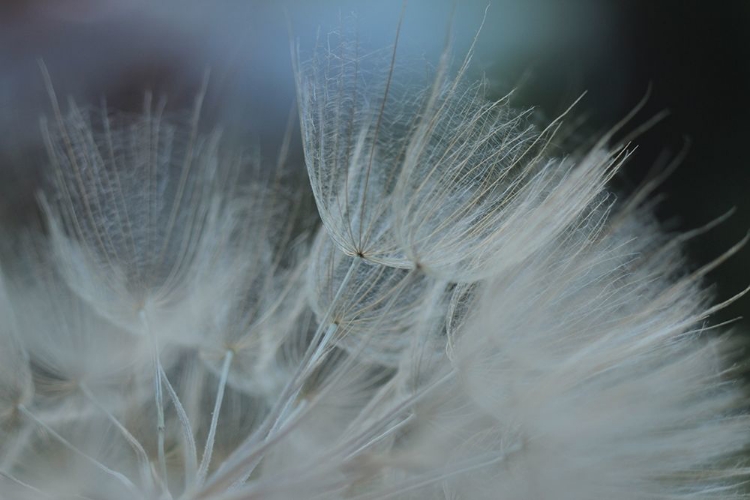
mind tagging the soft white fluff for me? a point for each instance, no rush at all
(474, 317)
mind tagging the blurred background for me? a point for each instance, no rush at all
(694, 56)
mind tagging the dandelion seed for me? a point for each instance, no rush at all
(376, 308)
(443, 183)
(134, 204)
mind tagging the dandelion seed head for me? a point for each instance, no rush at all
(134, 203)
(470, 314)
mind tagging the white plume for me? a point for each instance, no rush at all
(473, 316)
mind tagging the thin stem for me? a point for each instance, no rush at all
(158, 395)
(387, 432)
(189, 450)
(252, 465)
(20, 483)
(120, 477)
(208, 450)
(253, 447)
(143, 460)
(10, 455)
(320, 350)
(439, 474)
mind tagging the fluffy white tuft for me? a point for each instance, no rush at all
(473, 317)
